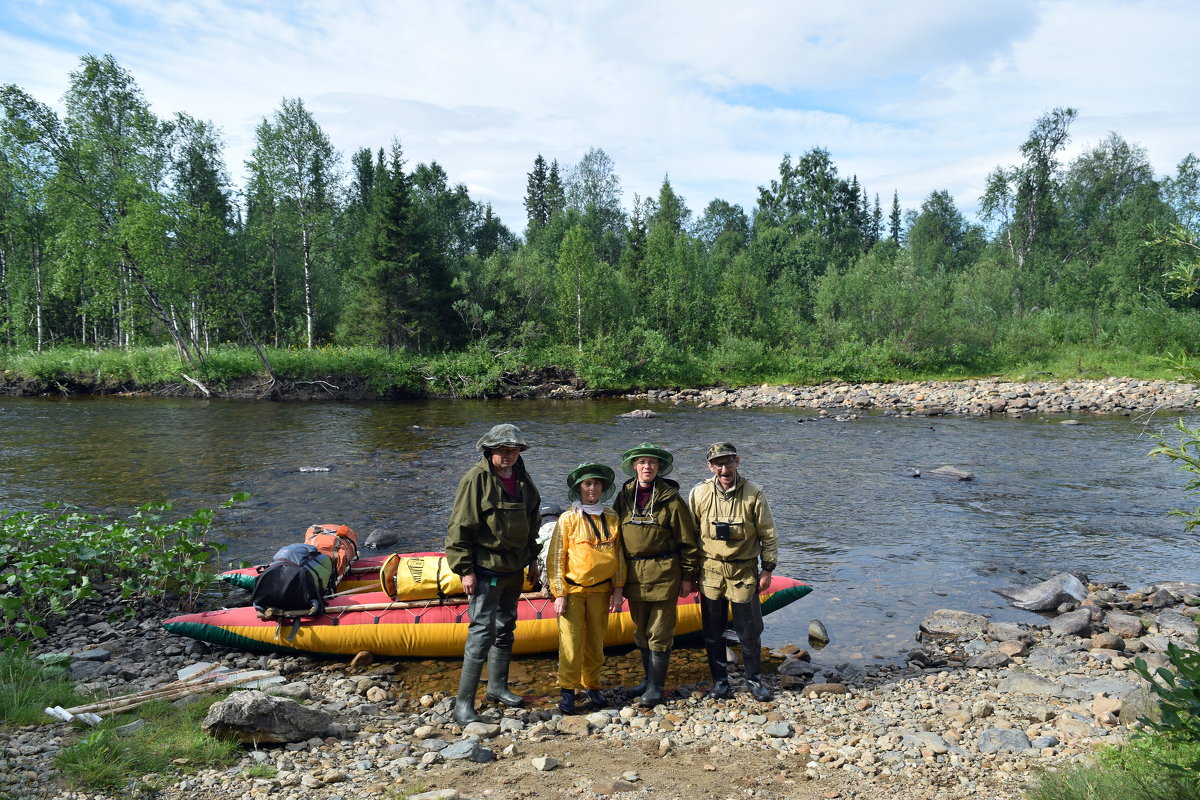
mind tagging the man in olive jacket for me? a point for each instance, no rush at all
(489, 543)
(663, 557)
(736, 532)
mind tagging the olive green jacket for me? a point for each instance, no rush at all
(488, 529)
(660, 546)
(752, 535)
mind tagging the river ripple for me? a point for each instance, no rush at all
(881, 548)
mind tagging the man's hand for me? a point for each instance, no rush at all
(560, 605)
(468, 581)
(764, 580)
(686, 588)
(535, 574)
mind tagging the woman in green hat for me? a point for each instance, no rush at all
(489, 544)
(585, 569)
(658, 535)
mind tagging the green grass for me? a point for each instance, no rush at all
(99, 759)
(170, 742)
(27, 686)
(1132, 771)
(261, 771)
(611, 364)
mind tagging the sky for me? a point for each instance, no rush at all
(910, 97)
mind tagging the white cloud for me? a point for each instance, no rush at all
(914, 96)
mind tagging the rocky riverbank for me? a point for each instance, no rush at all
(977, 709)
(930, 398)
(980, 397)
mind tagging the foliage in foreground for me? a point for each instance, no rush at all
(1160, 763)
(1132, 771)
(170, 741)
(53, 560)
(28, 685)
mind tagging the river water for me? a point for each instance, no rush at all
(880, 547)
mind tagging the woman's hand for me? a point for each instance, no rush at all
(615, 600)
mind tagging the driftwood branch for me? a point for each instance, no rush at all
(326, 385)
(197, 384)
(212, 677)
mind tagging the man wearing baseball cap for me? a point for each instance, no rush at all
(736, 535)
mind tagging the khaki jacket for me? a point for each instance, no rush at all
(579, 562)
(752, 534)
(488, 529)
(660, 545)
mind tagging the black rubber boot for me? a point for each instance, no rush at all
(468, 684)
(497, 685)
(567, 704)
(656, 679)
(758, 689)
(713, 613)
(596, 698)
(747, 621)
(720, 690)
(636, 691)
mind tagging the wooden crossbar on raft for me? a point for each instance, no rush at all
(457, 600)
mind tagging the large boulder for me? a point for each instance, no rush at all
(948, 622)
(254, 717)
(1072, 623)
(1047, 595)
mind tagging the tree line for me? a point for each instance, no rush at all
(120, 228)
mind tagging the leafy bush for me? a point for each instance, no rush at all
(740, 360)
(474, 372)
(1187, 454)
(54, 560)
(1178, 692)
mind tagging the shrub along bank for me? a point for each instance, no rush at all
(53, 560)
(602, 366)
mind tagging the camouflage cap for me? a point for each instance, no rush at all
(721, 449)
(502, 435)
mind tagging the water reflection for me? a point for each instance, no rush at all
(882, 548)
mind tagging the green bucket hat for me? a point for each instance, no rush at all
(665, 459)
(591, 470)
(502, 435)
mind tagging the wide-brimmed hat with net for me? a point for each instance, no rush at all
(595, 470)
(665, 459)
(503, 435)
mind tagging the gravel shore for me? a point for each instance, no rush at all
(975, 711)
(981, 397)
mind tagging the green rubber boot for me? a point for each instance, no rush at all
(636, 691)
(656, 679)
(497, 685)
(464, 704)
